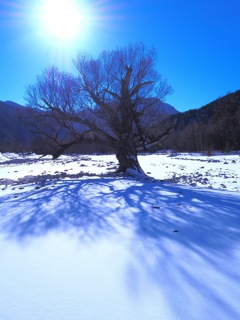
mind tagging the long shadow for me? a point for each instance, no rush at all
(196, 217)
(199, 216)
(181, 231)
(54, 206)
(203, 225)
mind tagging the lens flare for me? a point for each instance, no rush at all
(62, 19)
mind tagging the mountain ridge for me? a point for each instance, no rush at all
(215, 126)
(15, 134)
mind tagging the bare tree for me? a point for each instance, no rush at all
(123, 85)
(111, 100)
(55, 104)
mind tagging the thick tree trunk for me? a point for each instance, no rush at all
(127, 158)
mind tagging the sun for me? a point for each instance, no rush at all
(62, 19)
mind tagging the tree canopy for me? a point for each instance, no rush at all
(111, 99)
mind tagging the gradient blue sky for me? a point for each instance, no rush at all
(198, 43)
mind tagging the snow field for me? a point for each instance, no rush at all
(89, 247)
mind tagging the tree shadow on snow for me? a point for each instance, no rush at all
(175, 229)
(54, 206)
(197, 218)
(184, 237)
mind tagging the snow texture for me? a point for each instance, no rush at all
(77, 245)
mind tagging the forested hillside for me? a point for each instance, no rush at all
(215, 126)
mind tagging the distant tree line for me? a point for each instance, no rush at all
(215, 126)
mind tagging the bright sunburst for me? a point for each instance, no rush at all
(62, 19)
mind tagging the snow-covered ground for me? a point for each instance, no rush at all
(218, 172)
(77, 243)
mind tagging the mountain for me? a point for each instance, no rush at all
(14, 104)
(167, 109)
(159, 108)
(14, 134)
(215, 126)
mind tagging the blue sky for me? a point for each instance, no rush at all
(197, 42)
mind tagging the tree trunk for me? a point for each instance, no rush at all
(127, 158)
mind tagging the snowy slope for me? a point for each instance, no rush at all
(75, 246)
